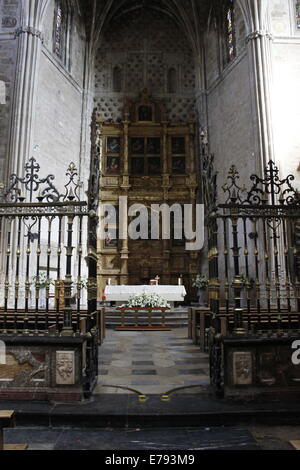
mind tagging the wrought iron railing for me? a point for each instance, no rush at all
(46, 284)
(253, 252)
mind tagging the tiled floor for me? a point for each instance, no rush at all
(151, 363)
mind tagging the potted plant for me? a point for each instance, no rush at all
(42, 282)
(201, 283)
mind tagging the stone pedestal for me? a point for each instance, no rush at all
(43, 368)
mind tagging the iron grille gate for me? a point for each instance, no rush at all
(253, 255)
(47, 245)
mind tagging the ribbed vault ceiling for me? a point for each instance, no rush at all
(190, 15)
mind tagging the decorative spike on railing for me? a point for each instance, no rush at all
(74, 184)
(232, 188)
(22, 189)
(265, 190)
(270, 186)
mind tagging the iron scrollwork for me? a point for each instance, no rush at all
(265, 191)
(272, 186)
(20, 187)
(32, 183)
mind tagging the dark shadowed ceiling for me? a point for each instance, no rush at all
(190, 15)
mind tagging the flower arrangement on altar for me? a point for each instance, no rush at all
(200, 281)
(147, 300)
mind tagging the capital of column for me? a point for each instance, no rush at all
(259, 34)
(29, 30)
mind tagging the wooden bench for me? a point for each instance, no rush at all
(8, 420)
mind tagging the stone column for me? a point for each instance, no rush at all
(259, 47)
(29, 37)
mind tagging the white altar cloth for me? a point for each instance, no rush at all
(122, 293)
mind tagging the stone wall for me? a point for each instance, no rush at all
(58, 110)
(231, 122)
(10, 15)
(145, 48)
(285, 86)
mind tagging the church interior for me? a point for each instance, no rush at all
(113, 109)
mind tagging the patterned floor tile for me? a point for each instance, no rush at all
(191, 372)
(151, 363)
(142, 363)
(144, 372)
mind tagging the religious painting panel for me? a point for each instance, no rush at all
(153, 146)
(178, 145)
(178, 165)
(112, 166)
(154, 166)
(114, 145)
(138, 166)
(137, 146)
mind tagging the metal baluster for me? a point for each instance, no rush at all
(214, 284)
(226, 252)
(6, 283)
(79, 280)
(286, 266)
(267, 274)
(256, 254)
(17, 282)
(276, 261)
(37, 285)
(237, 282)
(28, 256)
(246, 257)
(58, 279)
(67, 323)
(27, 280)
(38, 260)
(48, 282)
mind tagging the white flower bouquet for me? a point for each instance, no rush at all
(147, 300)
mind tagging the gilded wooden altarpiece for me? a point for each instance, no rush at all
(151, 161)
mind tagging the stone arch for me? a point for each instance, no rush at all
(255, 13)
(245, 13)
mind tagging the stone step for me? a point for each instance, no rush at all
(176, 318)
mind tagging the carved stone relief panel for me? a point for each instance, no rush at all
(242, 368)
(24, 368)
(65, 367)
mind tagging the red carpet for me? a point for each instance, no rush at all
(143, 328)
